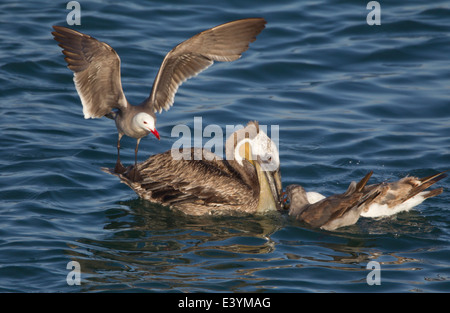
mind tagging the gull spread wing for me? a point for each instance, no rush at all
(225, 42)
(96, 68)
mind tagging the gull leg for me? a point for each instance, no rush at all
(134, 173)
(119, 168)
(136, 152)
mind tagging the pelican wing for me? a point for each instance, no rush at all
(225, 42)
(96, 68)
(170, 181)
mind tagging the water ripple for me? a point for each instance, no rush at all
(348, 98)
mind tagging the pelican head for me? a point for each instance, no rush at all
(254, 146)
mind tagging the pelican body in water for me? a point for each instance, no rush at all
(382, 199)
(248, 180)
(96, 68)
(334, 211)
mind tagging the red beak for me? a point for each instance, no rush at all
(155, 132)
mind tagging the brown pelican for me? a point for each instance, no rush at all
(391, 198)
(247, 180)
(332, 212)
(96, 68)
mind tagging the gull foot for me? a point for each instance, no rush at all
(134, 175)
(119, 169)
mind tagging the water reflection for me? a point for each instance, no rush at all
(152, 248)
(149, 243)
(386, 241)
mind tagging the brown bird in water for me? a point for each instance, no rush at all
(401, 195)
(96, 68)
(197, 181)
(334, 211)
(394, 197)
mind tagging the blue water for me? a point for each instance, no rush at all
(348, 98)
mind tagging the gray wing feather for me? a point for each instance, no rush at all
(96, 68)
(225, 42)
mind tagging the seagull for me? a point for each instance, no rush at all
(334, 211)
(248, 180)
(392, 198)
(401, 195)
(96, 68)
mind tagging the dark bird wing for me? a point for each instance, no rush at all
(425, 182)
(96, 68)
(191, 184)
(331, 209)
(225, 42)
(398, 192)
